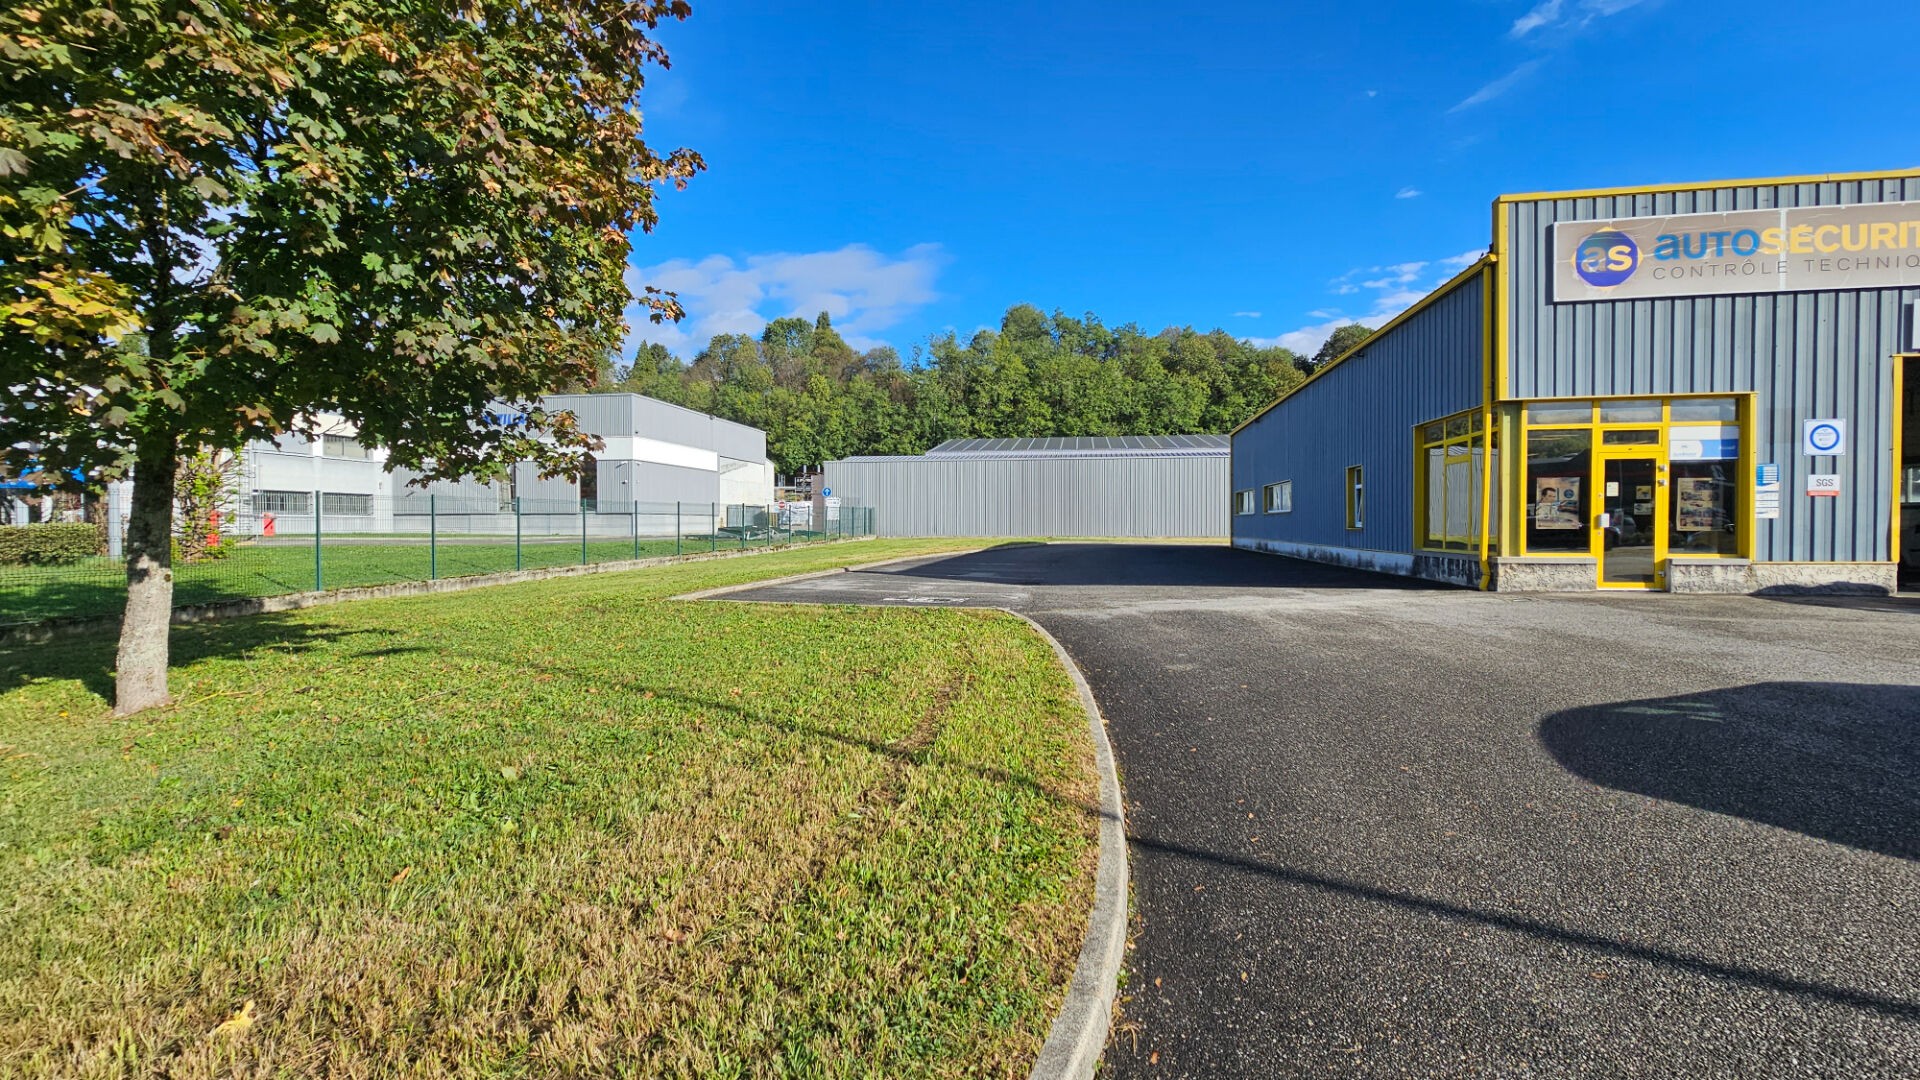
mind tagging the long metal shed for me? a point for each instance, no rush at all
(1142, 486)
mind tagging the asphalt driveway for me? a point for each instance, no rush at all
(1380, 829)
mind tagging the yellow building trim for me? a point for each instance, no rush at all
(1899, 450)
(1502, 300)
(1710, 185)
(1421, 305)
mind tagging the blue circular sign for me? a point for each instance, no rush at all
(824, 492)
(1823, 436)
(1606, 258)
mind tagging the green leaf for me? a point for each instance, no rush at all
(324, 333)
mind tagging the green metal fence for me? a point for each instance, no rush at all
(319, 541)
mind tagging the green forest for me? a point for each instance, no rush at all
(1039, 375)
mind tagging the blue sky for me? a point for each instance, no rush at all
(1273, 169)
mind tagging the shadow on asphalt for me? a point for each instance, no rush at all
(1837, 761)
(1195, 565)
(1901, 603)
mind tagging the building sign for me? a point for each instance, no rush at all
(1823, 438)
(1797, 249)
(1823, 484)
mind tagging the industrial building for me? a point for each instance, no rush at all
(1142, 486)
(655, 455)
(1700, 387)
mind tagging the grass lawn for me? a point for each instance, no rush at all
(552, 829)
(99, 586)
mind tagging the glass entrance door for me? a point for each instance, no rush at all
(1630, 527)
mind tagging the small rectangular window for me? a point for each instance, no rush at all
(1704, 410)
(1356, 498)
(1549, 413)
(282, 502)
(346, 504)
(342, 446)
(1243, 502)
(1630, 412)
(1280, 497)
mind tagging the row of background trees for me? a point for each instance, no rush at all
(1039, 375)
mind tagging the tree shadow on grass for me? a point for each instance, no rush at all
(1837, 761)
(89, 658)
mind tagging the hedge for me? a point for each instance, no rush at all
(51, 544)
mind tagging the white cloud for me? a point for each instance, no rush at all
(1391, 290)
(1246, 314)
(1408, 193)
(862, 290)
(1555, 14)
(1545, 13)
(1373, 93)
(1498, 86)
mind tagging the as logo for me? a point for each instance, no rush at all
(1606, 258)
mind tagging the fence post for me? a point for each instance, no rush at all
(634, 509)
(583, 532)
(518, 564)
(319, 582)
(433, 539)
(744, 527)
(676, 527)
(713, 526)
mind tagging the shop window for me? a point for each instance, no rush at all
(1452, 467)
(1704, 410)
(1356, 498)
(1630, 412)
(1545, 413)
(1243, 502)
(1704, 460)
(1632, 437)
(1559, 464)
(1279, 497)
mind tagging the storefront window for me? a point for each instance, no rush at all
(1452, 479)
(1705, 410)
(1558, 466)
(1630, 412)
(1542, 413)
(1705, 460)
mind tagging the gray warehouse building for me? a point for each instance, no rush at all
(1703, 387)
(1142, 486)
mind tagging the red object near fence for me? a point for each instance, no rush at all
(266, 524)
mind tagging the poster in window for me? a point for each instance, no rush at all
(1695, 504)
(1556, 502)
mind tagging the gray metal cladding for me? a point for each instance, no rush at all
(1134, 496)
(1805, 355)
(1363, 412)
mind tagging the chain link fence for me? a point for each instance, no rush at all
(312, 541)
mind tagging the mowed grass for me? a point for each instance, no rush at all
(98, 587)
(568, 828)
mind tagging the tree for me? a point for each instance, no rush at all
(396, 212)
(1338, 343)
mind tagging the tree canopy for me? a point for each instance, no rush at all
(396, 212)
(1039, 375)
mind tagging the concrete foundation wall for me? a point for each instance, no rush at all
(1447, 569)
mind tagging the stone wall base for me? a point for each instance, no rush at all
(1780, 578)
(1546, 573)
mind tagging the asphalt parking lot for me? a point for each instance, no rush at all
(1381, 829)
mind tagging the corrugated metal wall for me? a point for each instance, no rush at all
(1807, 355)
(1362, 412)
(1133, 496)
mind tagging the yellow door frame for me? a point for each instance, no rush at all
(1657, 454)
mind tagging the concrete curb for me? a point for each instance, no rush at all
(36, 633)
(1079, 1034)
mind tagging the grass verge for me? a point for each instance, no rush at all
(560, 828)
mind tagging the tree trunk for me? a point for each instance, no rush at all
(140, 680)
